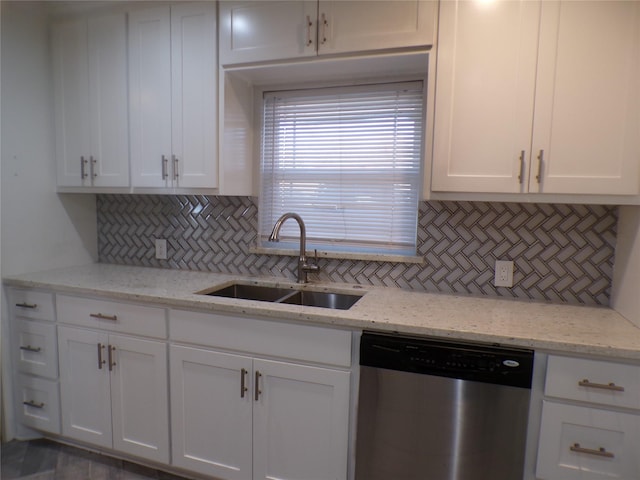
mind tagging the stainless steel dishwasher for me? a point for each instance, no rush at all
(439, 410)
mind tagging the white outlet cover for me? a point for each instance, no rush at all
(161, 248)
(503, 273)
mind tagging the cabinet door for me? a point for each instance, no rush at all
(194, 92)
(211, 412)
(578, 443)
(150, 96)
(347, 26)
(301, 422)
(38, 403)
(71, 99)
(139, 397)
(35, 348)
(108, 100)
(84, 386)
(484, 97)
(587, 111)
(266, 30)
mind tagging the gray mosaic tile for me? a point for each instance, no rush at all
(562, 253)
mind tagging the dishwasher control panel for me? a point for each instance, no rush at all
(463, 360)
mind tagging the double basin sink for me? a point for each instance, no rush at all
(290, 296)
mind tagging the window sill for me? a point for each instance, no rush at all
(370, 257)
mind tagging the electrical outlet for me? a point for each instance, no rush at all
(161, 248)
(503, 273)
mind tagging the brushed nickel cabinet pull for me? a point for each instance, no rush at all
(324, 23)
(29, 348)
(27, 305)
(309, 26)
(257, 385)
(113, 318)
(176, 172)
(31, 403)
(100, 359)
(604, 386)
(165, 162)
(243, 387)
(521, 174)
(83, 168)
(92, 166)
(601, 452)
(112, 362)
(540, 160)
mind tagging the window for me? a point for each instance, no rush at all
(348, 161)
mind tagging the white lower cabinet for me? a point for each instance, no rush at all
(114, 392)
(590, 427)
(237, 417)
(38, 403)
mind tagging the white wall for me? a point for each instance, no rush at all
(39, 229)
(625, 296)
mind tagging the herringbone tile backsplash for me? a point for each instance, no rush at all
(562, 253)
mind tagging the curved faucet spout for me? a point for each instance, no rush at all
(303, 266)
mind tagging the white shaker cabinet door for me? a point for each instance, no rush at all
(211, 403)
(108, 102)
(84, 385)
(150, 96)
(90, 95)
(139, 397)
(484, 95)
(194, 162)
(348, 26)
(71, 99)
(252, 31)
(587, 111)
(301, 422)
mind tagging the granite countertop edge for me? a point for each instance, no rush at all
(593, 331)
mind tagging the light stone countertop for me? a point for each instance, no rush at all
(549, 327)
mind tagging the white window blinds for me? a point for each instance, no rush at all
(348, 161)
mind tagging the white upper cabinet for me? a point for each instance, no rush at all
(173, 87)
(587, 109)
(538, 98)
(270, 30)
(90, 85)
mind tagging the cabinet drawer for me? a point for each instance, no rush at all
(32, 304)
(112, 316)
(593, 381)
(35, 348)
(262, 337)
(38, 403)
(587, 444)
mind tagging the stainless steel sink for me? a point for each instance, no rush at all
(250, 292)
(290, 296)
(340, 301)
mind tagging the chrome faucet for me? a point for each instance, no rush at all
(303, 266)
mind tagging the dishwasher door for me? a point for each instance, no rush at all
(414, 426)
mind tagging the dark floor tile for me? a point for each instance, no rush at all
(46, 460)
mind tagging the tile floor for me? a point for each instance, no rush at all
(46, 460)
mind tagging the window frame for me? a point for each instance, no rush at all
(341, 251)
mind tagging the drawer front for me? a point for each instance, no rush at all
(593, 381)
(36, 348)
(32, 304)
(38, 403)
(587, 444)
(112, 316)
(262, 337)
